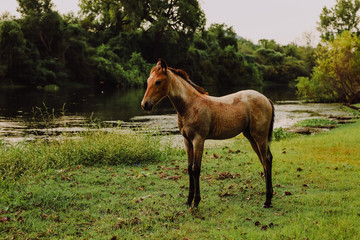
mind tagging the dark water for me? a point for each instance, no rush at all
(105, 104)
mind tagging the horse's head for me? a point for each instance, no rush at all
(157, 86)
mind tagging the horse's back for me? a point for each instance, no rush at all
(245, 98)
(236, 112)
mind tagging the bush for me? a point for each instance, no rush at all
(280, 134)
(336, 76)
(113, 71)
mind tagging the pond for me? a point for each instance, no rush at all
(104, 104)
(22, 110)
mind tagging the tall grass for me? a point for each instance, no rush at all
(92, 148)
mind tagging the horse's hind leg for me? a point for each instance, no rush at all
(260, 146)
(267, 171)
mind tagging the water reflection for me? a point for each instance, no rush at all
(105, 104)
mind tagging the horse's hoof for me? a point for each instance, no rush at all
(188, 203)
(194, 210)
(267, 206)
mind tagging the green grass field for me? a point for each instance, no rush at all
(316, 183)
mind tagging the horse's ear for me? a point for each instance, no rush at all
(162, 63)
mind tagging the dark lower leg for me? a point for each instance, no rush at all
(191, 186)
(268, 177)
(196, 174)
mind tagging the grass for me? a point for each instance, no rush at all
(93, 148)
(316, 184)
(316, 122)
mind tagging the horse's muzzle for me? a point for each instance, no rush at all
(147, 106)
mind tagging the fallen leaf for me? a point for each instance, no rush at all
(20, 219)
(4, 219)
(162, 174)
(287, 194)
(225, 175)
(264, 227)
(121, 223)
(63, 177)
(226, 194)
(174, 177)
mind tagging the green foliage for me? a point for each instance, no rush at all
(309, 89)
(114, 43)
(281, 134)
(112, 71)
(214, 59)
(336, 76)
(342, 17)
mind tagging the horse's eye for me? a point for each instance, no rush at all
(157, 83)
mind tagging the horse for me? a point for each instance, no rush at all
(202, 117)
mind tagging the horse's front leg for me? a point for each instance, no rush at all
(198, 144)
(190, 153)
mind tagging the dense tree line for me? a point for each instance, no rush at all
(116, 42)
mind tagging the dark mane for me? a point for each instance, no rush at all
(185, 76)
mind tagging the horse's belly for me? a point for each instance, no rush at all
(223, 135)
(226, 127)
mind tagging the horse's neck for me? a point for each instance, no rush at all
(181, 94)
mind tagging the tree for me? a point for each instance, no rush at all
(214, 59)
(34, 7)
(57, 45)
(166, 25)
(108, 16)
(342, 17)
(12, 46)
(336, 76)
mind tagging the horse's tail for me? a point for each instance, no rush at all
(272, 121)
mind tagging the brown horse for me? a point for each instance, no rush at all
(202, 117)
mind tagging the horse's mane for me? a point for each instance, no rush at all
(184, 76)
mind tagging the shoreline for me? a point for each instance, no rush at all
(14, 131)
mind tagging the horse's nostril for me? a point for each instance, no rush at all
(146, 106)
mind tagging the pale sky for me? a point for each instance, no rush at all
(282, 20)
